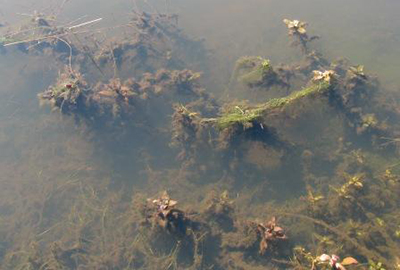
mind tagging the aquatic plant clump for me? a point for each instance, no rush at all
(119, 103)
(184, 128)
(167, 216)
(68, 94)
(156, 42)
(258, 72)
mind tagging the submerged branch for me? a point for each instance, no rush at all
(239, 116)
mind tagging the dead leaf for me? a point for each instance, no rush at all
(349, 261)
(301, 30)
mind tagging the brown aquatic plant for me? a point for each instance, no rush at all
(298, 30)
(295, 27)
(324, 76)
(270, 232)
(167, 216)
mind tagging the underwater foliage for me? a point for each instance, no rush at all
(123, 103)
(68, 94)
(258, 72)
(229, 163)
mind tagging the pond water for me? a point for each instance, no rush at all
(105, 123)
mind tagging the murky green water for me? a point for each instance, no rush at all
(79, 184)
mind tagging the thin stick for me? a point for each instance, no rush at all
(65, 34)
(394, 165)
(166, 7)
(114, 62)
(26, 30)
(34, 39)
(70, 54)
(61, 8)
(90, 55)
(85, 23)
(47, 27)
(49, 229)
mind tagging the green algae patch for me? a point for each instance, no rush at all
(239, 116)
(243, 117)
(280, 102)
